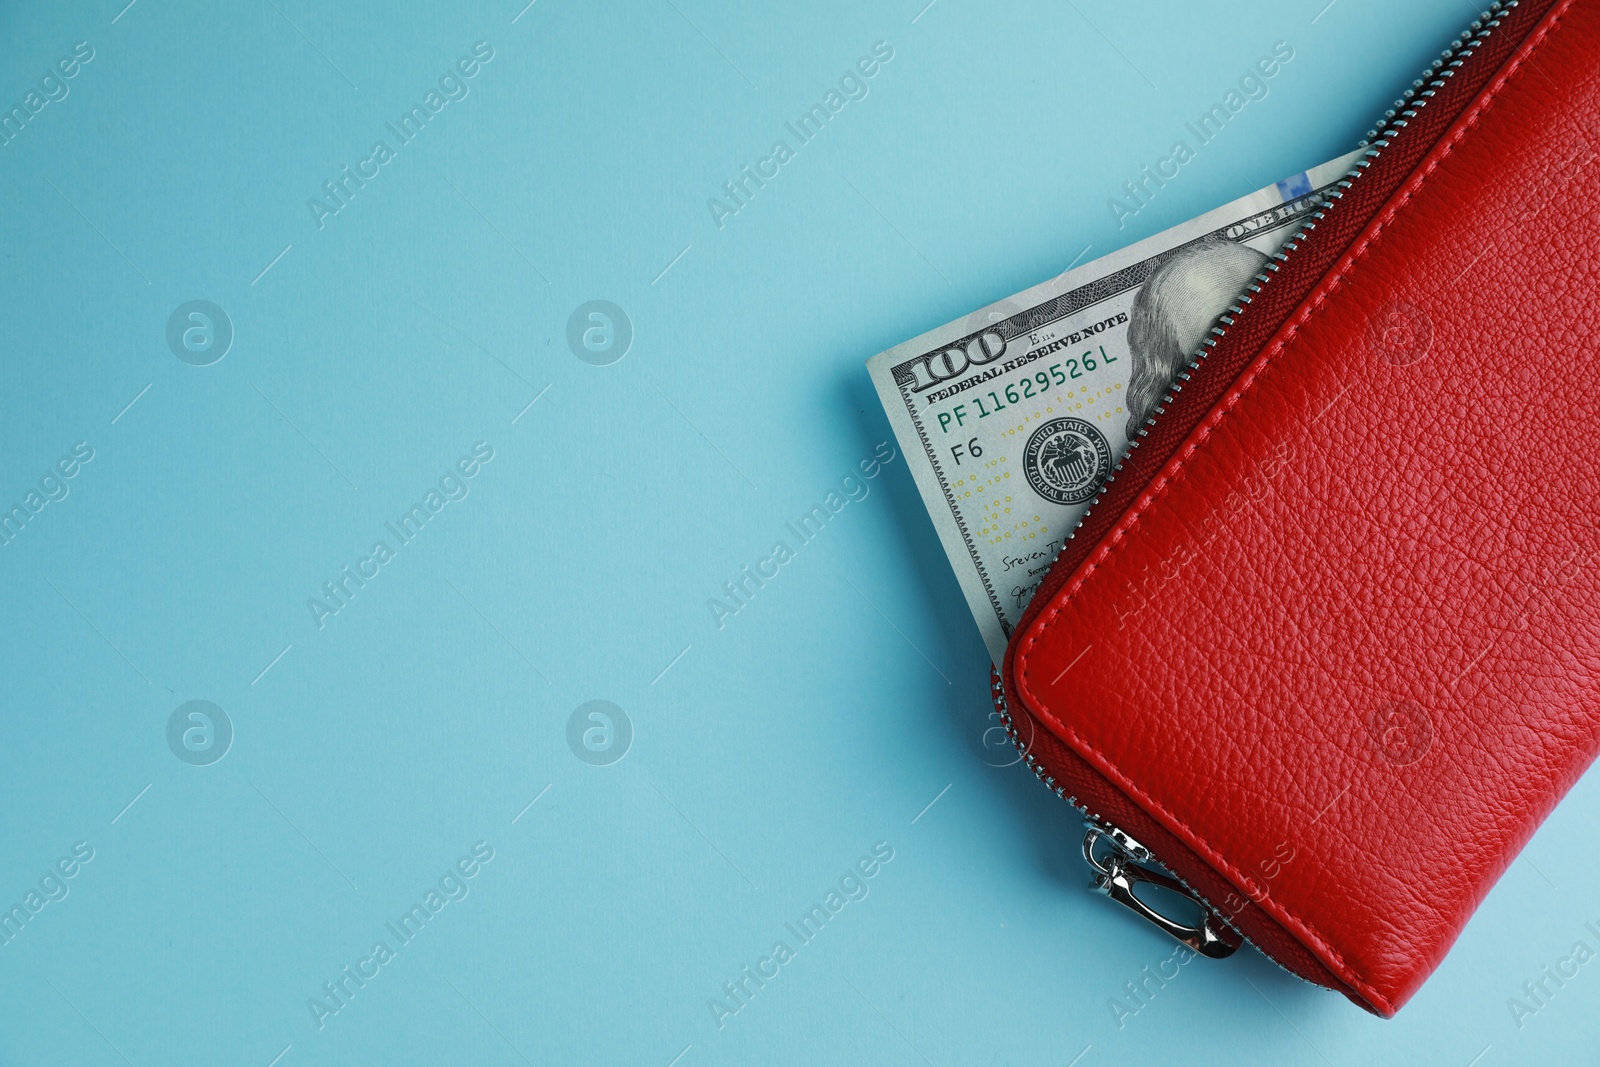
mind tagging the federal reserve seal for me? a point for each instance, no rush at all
(1066, 460)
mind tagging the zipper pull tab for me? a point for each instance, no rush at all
(1117, 874)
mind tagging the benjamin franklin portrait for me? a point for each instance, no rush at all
(1174, 311)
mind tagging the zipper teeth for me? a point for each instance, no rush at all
(999, 694)
(1377, 139)
(1394, 121)
(1107, 824)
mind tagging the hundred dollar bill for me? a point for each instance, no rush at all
(1012, 417)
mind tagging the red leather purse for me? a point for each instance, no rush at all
(1336, 617)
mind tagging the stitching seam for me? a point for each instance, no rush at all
(1102, 554)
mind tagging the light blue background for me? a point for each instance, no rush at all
(769, 754)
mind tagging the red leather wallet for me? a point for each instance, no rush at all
(1333, 621)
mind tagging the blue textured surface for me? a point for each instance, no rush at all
(843, 706)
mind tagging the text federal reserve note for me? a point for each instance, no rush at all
(1012, 417)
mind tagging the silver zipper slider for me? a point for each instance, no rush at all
(1118, 871)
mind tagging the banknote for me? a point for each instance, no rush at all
(1012, 417)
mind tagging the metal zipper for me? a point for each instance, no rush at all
(1099, 825)
(1377, 139)
(1119, 877)
(1124, 865)
(1130, 853)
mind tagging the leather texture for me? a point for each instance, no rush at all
(1337, 644)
